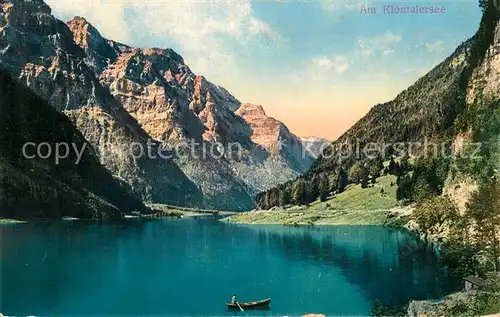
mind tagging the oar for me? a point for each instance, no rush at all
(239, 306)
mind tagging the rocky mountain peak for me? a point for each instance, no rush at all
(24, 13)
(100, 52)
(117, 94)
(84, 32)
(266, 131)
(31, 6)
(167, 53)
(248, 109)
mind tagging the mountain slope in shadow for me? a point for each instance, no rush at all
(33, 187)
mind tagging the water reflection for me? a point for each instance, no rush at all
(387, 264)
(192, 266)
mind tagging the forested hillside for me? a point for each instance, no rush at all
(411, 136)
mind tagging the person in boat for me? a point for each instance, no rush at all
(233, 299)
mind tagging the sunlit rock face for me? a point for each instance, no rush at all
(484, 85)
(39, 51)
(174, 105)
(485, 80)
(117, 95)
(67, 183)
(274, 136)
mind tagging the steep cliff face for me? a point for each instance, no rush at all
(266, 131)
(275, 137)
(36, 187)
(158, 89)
(120, 96)
(483, 92)
(485, 80)
(36, 49)
(175, 106)
(98, 51)
(39, 51)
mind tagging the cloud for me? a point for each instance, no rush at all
(320, 71)
(384, 44)
(256, 27)
(207, 33)
(336, 64)
(109, 17)
(435, 46)
(336, 5)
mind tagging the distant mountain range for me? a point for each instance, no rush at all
(119, 96)
(315, 145)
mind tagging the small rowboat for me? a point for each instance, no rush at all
(250, 305)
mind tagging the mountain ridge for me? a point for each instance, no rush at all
(39, 187)
(119, 95)
(435, 109)
(39, 51)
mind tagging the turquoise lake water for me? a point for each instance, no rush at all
(192, 266)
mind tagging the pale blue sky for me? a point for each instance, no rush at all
(316, 65)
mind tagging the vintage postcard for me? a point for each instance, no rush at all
(249, 158)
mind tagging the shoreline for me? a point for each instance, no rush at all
(8, 221)
(394, 217)
(159, 215)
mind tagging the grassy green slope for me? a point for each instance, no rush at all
(354, 206)
(357, 198)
